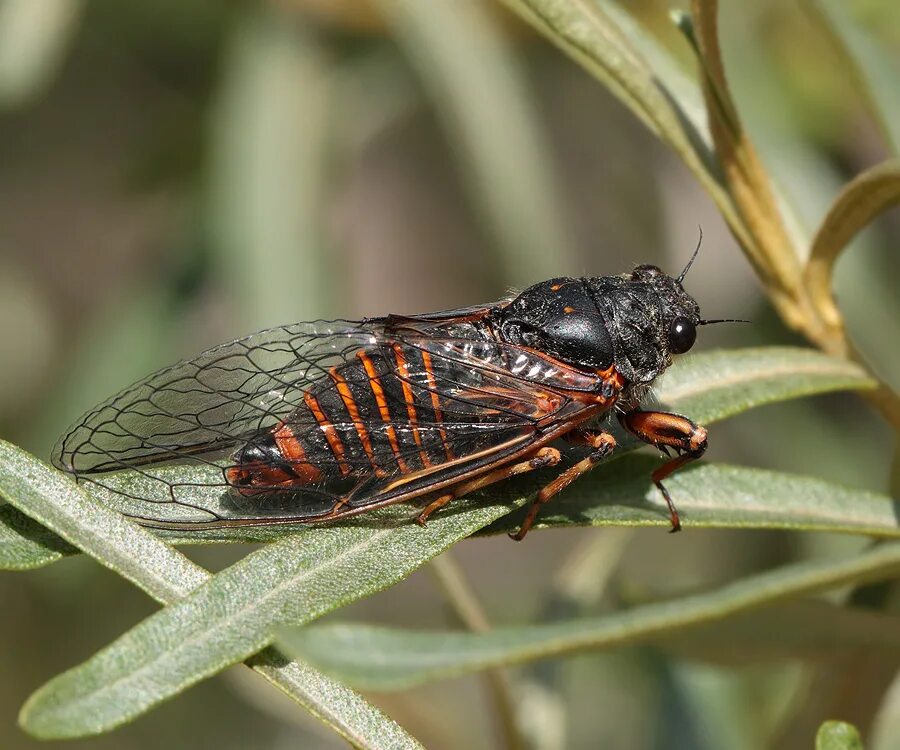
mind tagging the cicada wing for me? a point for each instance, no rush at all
(209, 404)
(481, 399)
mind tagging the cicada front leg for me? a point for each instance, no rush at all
(664, 430)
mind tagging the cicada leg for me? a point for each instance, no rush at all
(665, 430)
(602, 443)
(541, 459)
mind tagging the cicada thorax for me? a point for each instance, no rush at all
(391, 410)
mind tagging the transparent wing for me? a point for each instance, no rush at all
(203, 411)
(209, 404)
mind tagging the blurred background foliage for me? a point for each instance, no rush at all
(174, 174)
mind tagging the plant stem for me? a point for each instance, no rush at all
(471, 614)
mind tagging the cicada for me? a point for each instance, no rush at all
(316, 422)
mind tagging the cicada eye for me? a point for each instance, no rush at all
(682, 335)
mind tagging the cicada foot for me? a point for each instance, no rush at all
(664, 430)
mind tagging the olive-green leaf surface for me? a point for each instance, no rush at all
(24, 543)
(838, 735)
(860, 201)
(168, 576)
(392, 658)
(593, 35)
(871, 64)
(714, 385)
(714, 496)
(235, 614)
(680, 85)
(706, 387)
(53, 500)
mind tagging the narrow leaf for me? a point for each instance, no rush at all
(861, 200)
(674, 78)
(52, 499)
(390, 658)
(588, 32)
(714, 385)
(796, 629)
(343, 710)
(168, 576)
(25, 544)
(235, 614)
(714, 496)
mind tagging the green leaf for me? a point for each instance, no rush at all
(796, 629)
(333, 703)
(838, 735)
(873, 69)
(167, 576)
(682, 86)
(859, 202)
(235, 614)
(25, 544)
(714, 385)
(713, 496)
(588, 32)
(391, 659)
(55, 501)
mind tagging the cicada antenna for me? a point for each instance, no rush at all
(722, 320)
(693, 257)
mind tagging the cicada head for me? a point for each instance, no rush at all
(649, 318)
(635, 322)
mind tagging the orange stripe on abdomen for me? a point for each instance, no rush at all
(383, 411)
(410, 399)
(334, 440)
(435, 401)
(353, 411)
(293, 453)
